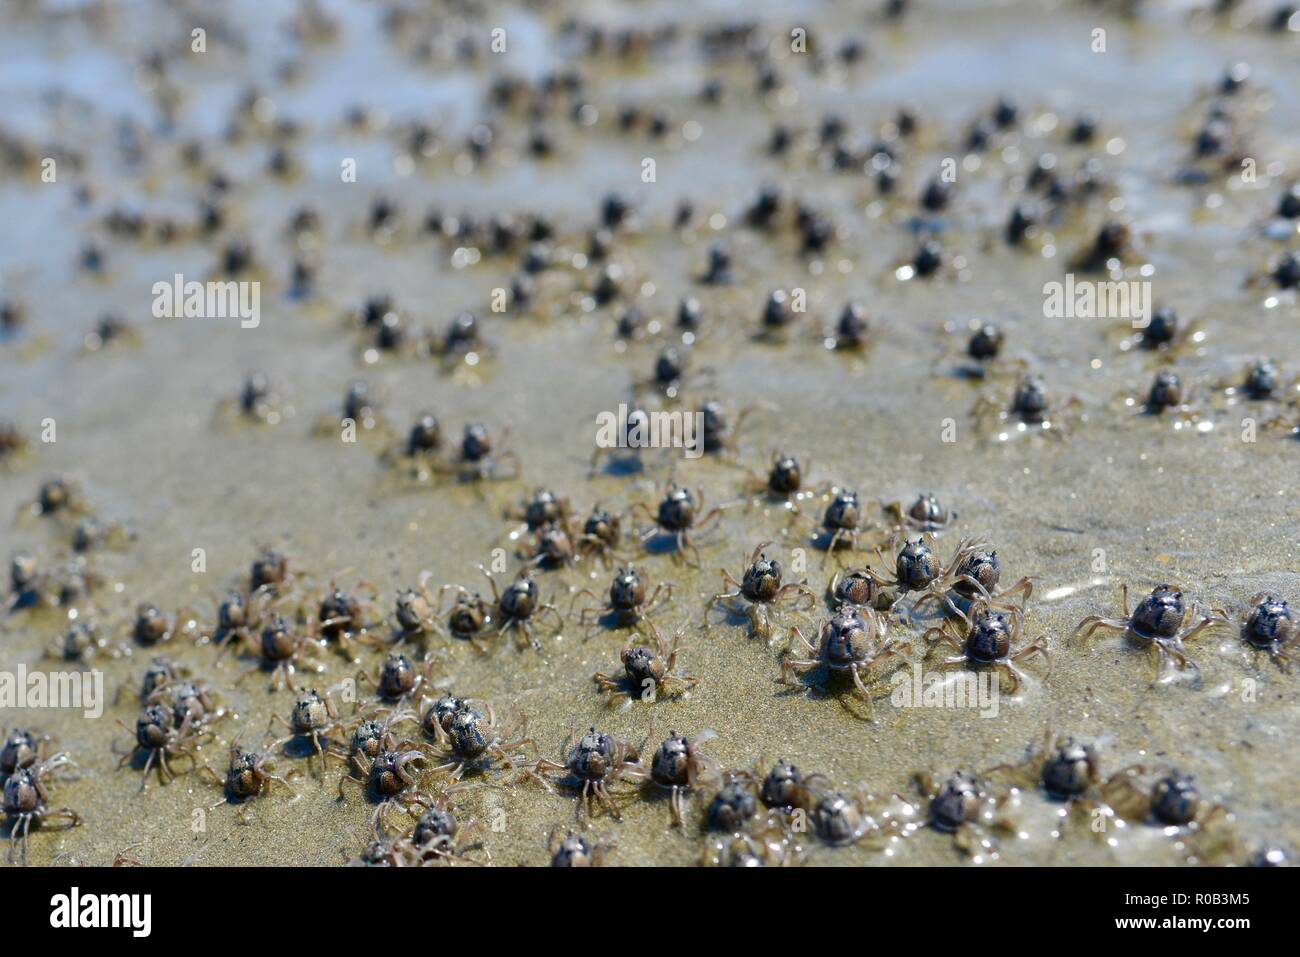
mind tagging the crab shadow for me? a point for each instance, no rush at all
(725, 614)
(301, 746)
(824, 684)
(608, 623)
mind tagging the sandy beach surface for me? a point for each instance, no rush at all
(1114, 497)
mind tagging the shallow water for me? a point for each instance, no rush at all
(137, 422)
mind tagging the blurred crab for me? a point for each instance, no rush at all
(990, 638)
(1029, 411)
(854, 640)
(629, 604)
(759, 592)
(1271, 626)
(594, 762)
(648, 675)
(1158, 623)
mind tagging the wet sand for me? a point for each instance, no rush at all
(137, 424)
